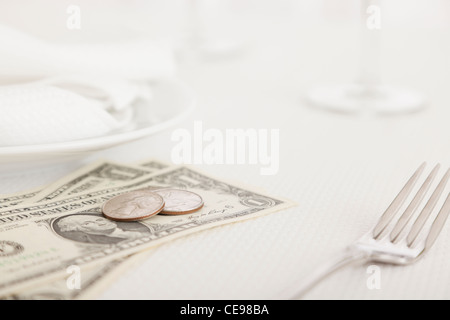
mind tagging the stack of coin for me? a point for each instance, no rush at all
(145, 203)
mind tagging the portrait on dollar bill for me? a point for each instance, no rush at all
(96, 229)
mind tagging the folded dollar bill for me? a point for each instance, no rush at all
(41, 239)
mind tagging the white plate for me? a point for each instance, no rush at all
(172, 102)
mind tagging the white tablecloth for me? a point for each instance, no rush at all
(343, 171)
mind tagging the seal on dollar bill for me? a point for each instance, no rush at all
(10, 248)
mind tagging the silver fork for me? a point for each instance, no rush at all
(387, 242)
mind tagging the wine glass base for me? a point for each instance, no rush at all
(358, 98)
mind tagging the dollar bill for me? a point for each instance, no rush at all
(39, 244)
(61, 289)
(97, 175)
(17, 198)
(74, 201)
(154, 164)
(101, 174)
(94, 279)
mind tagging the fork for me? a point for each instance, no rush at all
(393, 241)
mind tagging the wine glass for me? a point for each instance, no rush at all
(367, 93)
(198, 39)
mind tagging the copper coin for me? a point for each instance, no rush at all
(132, 206)
(179, 201)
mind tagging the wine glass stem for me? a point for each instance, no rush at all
(195, 24)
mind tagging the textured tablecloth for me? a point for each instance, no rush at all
(342, 170)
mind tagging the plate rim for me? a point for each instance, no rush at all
(107, 141)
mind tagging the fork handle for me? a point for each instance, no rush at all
(345, 258)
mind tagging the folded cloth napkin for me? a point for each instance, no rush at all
(23, 56)
(115, 94)
(40, 114)
(66, 92)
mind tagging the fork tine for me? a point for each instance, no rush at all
(438, 224)
(397, 203)
(406, 216)
(429, 207)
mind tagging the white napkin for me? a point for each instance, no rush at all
(23, 56)
(66, 92)
(115, 94)
(38, 114)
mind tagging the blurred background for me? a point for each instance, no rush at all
(301, 27)
(262, 58)
(317, 38)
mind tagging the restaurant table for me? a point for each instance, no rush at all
(342, 170)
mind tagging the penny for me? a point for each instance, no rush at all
(179, 202)
(132, 206)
